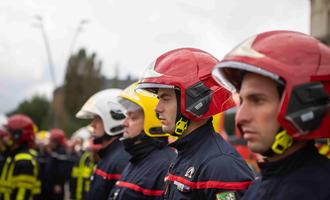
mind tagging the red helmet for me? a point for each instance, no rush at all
(298, 62)
(57, 136)
(21, 128)
(189, 70)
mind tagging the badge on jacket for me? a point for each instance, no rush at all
(181, 187)
(226, 196)
(190, 172)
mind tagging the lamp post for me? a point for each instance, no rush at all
(48, 50)
(79, 28)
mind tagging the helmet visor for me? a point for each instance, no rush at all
(153, 87)
(129, 105)
(229, 74)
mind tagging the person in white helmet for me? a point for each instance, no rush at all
(107, 118)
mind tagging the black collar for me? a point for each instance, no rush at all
(290, 163)
(146, 145)
(104, 151)
(190, 142)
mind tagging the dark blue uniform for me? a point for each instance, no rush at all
(303, 175)
(19, 176)
(113, 160)
(207, 167)
(56, 173)
(144, 177)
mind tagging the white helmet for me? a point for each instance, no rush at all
(105, 105)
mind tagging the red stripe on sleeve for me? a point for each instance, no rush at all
(137, 188)
(106, 175)
(210, 184)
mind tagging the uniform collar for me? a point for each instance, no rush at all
(104, 151)
(191, 141)
(147, 145)
(290, 163)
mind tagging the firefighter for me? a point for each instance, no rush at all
(19, 175)
(56, 170)
(4, 146)
(107, 117)
(3, 137)
(207, 167)
(283, 82)
(43, 158)
(143, 178)
(82, 171)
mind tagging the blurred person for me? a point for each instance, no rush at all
(207, 167)
(4, 146)
(57, 170)
(43, 158)
(283, 82)
(106, 117)
(82, 171)
(3, 137)
(19, 174)
(144, 140)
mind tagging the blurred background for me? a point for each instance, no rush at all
(55, 53)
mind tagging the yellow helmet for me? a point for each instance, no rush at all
(147, 101)
(42, 137)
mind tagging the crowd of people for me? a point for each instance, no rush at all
(155, 139)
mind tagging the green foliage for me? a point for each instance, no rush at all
(38, 108)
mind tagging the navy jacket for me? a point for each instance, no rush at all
(108, 170)
(207, 167)
(143, 178)
(303, 175)
(55, 173)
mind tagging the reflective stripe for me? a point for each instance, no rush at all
(20, 194)
(106, 175)
(33, 152)
(24, 181)
(36, 189)
(82, 172)
(5, 187)
(137, 188)
(210, 184)
(23, 156)
(21, 182)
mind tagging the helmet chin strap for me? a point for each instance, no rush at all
(282, 142)
(181, 122)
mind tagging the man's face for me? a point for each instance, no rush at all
(256, 116)
(167, 109)
(133, 123)
(98, 127)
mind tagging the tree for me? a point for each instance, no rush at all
(38, 108)
(83, 78)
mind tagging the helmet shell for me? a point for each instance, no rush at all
(189, 70)
(295, 60)
(105, 105)
(21, 128)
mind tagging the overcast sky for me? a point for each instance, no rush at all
(126, 33)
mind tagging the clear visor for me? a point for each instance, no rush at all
(153, 87)
(229, 74)
(129, 105)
